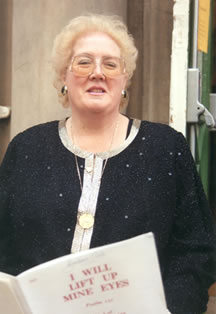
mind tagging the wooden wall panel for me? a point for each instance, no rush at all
(5, 73)
(151, 22)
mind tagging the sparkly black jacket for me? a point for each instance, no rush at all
(152, 185)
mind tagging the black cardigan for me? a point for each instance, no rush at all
(152, 185)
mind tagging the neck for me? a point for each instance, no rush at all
(97, 133)
(93, 123)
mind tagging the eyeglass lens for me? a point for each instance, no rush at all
(85, 65)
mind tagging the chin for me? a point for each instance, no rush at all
(97, 106)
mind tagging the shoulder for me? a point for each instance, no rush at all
(39, 132)
(167, 143)
(34, 141)
(161, 140)
(158, 133)
(157, 129)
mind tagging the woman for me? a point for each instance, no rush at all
(99, 177)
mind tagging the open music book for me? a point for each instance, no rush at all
(119, 278)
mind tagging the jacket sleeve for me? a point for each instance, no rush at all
(6, 182)
(190, 268)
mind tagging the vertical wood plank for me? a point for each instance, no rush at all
(151, 22)
(5, 73)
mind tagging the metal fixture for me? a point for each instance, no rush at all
(212, 108)
(4, 112)
(194, 108)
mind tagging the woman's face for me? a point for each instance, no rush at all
(95, 92)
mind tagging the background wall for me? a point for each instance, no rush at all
(151, 23)
(5, 66)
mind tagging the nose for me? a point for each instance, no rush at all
(97, 73)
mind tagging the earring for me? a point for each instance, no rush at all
(64, 90)
(124, 93)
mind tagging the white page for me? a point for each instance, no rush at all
(9, 296)
(127, 272)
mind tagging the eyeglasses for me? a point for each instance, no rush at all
(84, 65)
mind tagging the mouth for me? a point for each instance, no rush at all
(96, 90)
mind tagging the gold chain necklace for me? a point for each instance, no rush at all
(85, 219)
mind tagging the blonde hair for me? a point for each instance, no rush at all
(63, 46)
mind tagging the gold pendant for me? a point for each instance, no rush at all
(86, 220)
(88, 169)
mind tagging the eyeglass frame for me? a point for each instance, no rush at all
(96, 63)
